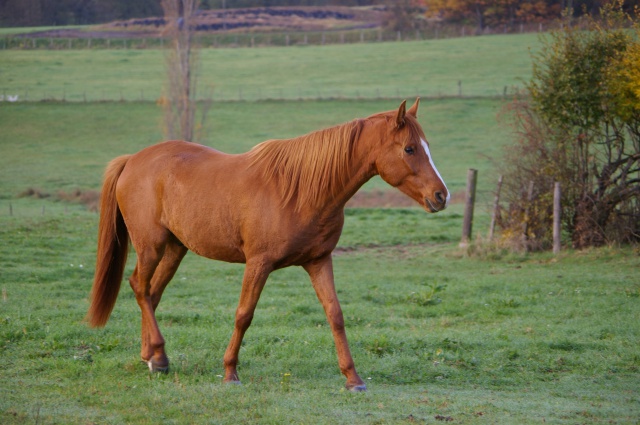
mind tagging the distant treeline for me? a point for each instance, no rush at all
(496, 13)
(28, 13)
(404, 14)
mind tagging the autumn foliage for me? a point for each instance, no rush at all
(496, 13)
(493, 12)
(579, 124)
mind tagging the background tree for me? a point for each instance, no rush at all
(16, 13)
(404, 15)
(580, 125)
(494, 13)
(179, 101)
(21, 13)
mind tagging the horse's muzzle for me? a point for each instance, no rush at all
(438, 204)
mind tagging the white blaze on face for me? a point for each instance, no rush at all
(426, 149)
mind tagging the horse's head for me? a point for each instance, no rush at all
(405, 161)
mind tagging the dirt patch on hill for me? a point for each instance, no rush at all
(364, 199)
(88, 198)
(273, 19)
(380, 199)
(265, 19)
(389, 199)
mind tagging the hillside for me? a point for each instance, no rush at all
(265, 19)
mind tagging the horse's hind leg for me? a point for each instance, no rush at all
(149, 257)
(173, 254)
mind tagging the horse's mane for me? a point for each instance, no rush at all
(310, 167)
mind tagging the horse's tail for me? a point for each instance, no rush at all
(113, 245)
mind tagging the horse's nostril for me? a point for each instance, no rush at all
(440, 197)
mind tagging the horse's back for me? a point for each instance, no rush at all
(167, 167)
(185, 189)
(174, 153)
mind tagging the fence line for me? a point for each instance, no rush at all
(471, 200)
(254, 40)
(251, 94)
(39, 209)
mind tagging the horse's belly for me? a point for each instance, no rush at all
(216, 244)
(221, 253)
(207, 236)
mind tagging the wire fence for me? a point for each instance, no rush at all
(68, 93)
(241, 93)
(99, 40)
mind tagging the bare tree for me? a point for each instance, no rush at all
(181, 61)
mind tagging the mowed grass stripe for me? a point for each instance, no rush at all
(483, 65)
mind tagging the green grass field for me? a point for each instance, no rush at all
(501, 339)
(10, 31)
(439, 334)
(484, 65)
(66, 146)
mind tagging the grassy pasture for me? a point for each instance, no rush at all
(497, 338)
(501, 339)
(66, 146)
(11, 31)
(438, 334)
(485, 65)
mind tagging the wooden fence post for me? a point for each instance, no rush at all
(496, 206)
(527, 209)
(557, 212)
(467, 223)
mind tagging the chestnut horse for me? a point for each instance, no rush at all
(280, 204)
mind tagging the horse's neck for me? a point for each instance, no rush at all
(362, 166)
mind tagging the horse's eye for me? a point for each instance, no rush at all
(409, 150)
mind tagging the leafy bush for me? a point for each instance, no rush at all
(578, 124)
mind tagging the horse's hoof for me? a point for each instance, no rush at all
(231, 377)
(357, 388)
(153, 367)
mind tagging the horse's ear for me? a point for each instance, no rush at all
(413, 111)
(402, 111)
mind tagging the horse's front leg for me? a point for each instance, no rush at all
(255, 276)
(321, 273)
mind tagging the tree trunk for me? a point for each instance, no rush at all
(590, 220)
(479, 19)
